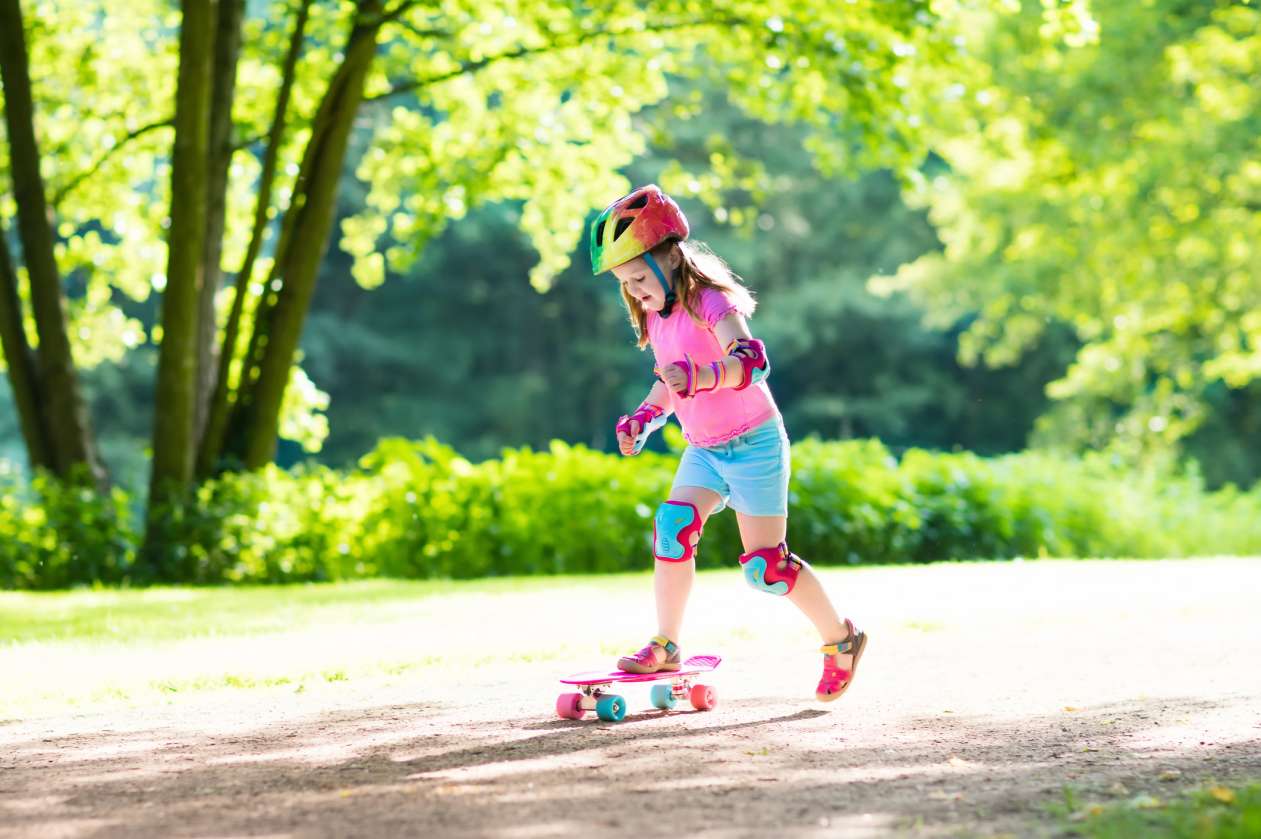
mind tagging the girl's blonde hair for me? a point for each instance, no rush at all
(701, 268)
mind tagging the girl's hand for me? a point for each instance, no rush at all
(633, 430)
(625, 441)
(675, 378)
(687, 378)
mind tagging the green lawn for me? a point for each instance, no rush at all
(1215, 812)
(61, 650)
(180, 613)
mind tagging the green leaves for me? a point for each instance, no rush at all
(538, 103)
(97, 112)
(1104, 176)
(418, 509)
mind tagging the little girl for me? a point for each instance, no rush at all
(686, 303)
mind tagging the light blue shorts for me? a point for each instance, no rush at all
(749, 472)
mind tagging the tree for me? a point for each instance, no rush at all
(467, 104)
(178, 378)
(54, 417)
(1108, 181)
(455, 349)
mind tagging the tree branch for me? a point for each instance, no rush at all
(246, 142)
(23, 374)
(421, 33)
(105, 156)
(398, 11)
(211, 444)
(555, 46)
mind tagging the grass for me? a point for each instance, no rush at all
(181, 613)
(67, 650)
(1213, 812)
(63, 651)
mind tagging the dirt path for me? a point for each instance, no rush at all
(987, 689)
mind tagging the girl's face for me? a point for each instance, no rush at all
(641, 282)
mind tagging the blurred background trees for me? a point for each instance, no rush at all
(1108, 184)
(969, 226)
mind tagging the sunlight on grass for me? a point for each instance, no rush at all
(178, 613)
(83, 648)
(1213, 812)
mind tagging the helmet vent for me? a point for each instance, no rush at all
(599, 232)
(639, 203)
(622, 224)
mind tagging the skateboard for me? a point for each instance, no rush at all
(595, 690)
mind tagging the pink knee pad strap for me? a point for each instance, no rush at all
(672, 531)
(772, 570)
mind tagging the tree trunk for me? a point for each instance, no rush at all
(278, 325)
(68, 436)
(227, 51)
(21, 363)
(212, 440)
(176, 394)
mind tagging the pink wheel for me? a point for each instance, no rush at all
(703, 697)
(569, 706)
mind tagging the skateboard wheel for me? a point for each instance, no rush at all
(663, 697)
(569, 706)
(703, 697)
(610, 708)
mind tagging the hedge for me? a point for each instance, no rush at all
(418, 509)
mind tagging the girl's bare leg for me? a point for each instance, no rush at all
(672, 581)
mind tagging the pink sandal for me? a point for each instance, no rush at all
(645, 661)
(836, 679)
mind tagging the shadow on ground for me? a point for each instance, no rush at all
(757, 767)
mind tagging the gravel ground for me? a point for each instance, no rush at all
(986, 690)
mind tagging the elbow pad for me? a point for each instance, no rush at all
(752, 356)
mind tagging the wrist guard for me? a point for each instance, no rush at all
(649, 416)
(693, 372)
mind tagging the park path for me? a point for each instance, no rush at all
(987, 689)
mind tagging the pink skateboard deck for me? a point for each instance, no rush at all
(595, 690)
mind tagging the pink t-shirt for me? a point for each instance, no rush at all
(716, 416)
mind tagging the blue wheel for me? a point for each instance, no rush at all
(610, 708)
(663, 697)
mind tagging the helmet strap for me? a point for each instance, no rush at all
(668, 287)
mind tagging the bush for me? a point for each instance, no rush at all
(418, 509)
(55, 534)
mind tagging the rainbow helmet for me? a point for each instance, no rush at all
(633, 225)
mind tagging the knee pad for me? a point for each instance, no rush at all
(772, 570)
(672, 530)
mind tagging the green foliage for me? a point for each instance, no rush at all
(1224, 446)
(1214, 812)
(850, 363)
(55, 534)
(550, 114)
(1107, 181)
(265, 526)
(536, 104)
(456, 349)
(420, 510)
(531, 102)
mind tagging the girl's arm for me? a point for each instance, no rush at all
(731, 328)
(745, 364)
(633, 429)
(660, 396)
